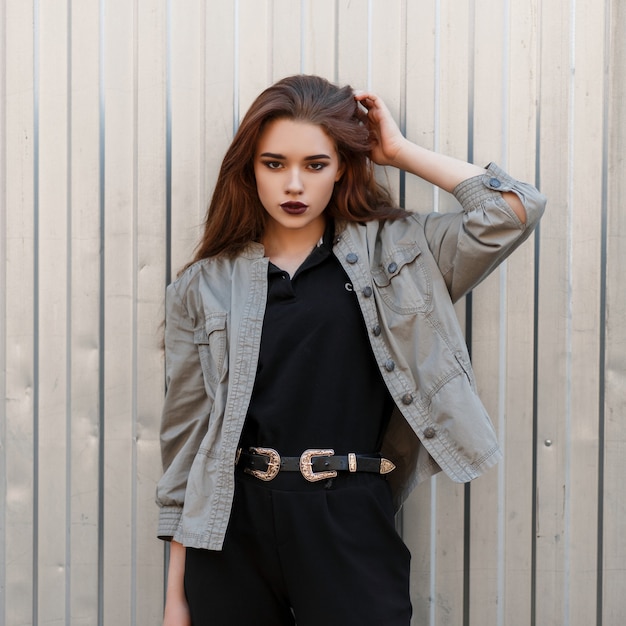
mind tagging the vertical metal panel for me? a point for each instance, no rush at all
(84, 318)
(3, 306)
(51, 311)
(613, 366)
(19, 271)
(115, 117)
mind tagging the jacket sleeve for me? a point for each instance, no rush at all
(469, 245)
(185, 414)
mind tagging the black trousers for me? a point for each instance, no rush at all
(310, 554)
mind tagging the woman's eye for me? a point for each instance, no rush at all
(273, 165)
(317, 166)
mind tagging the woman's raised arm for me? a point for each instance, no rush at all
(390, 147)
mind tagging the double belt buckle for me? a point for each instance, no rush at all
(273, 464)
(306, 465)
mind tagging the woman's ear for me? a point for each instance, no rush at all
(340, 171)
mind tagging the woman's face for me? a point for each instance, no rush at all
(296, 166)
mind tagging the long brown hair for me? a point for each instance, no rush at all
(236, 217)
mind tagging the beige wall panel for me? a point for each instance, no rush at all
(421, 92)
(586, 171)
(320, 38)
(387, 66)
(287, 34)
(451, 131)
(254, 52)
(219, 97)
(150, 271)
(488, 341)
(187, 79)
(119, 242)
(447, 547)
(419, 527)
(614, 537)
(453, 83)
(554, 416)
(84, 313)
(516, 506)
(353, 44)
(20, 375)
(52, 255)
(417, 531)
(3, 305)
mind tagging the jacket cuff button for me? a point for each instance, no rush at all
(429, 432)
(376, 330)
(407, 399)
(390, 365)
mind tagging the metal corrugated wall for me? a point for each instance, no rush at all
(114, 117)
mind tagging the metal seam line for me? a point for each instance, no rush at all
(135, 323)
(502, 381)
(270, 41)
(433, 482)
(235, 66)
(35, 572)
(336, 44)
(3, 303)
(168, 144)
(369, 44)
(603, 312)
(168, 206)
(569, 312)
(303, 35)
(535, 383)
(68, 326)
(399, 519)
(467, 491)
(102, 295)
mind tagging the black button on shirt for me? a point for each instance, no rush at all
(317, 382)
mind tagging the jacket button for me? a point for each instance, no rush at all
(407, 399)
(390, 365)
(494, 182)
(352, 258)
(367, 291)
(392, 268)
(429, 432)
(376, 330)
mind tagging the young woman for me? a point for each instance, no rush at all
(315, 367)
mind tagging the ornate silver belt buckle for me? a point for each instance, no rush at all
(273, 465)
(306, 465)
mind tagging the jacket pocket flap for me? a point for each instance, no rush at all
(393, 262)
(211, 324)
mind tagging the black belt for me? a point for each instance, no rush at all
(313, 464)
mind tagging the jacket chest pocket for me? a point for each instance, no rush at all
(211, 340)
(403, 281)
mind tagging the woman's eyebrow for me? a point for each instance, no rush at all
(314, 157)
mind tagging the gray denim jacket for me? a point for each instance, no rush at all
(407, 275)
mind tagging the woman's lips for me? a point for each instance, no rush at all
(294, 208)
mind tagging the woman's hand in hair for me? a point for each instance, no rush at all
(387, 140)
(390, 147)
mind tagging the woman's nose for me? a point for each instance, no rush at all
(294, 182)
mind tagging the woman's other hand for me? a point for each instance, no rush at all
(387, 140)
(176, 608)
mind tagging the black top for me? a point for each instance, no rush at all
(317, 383)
